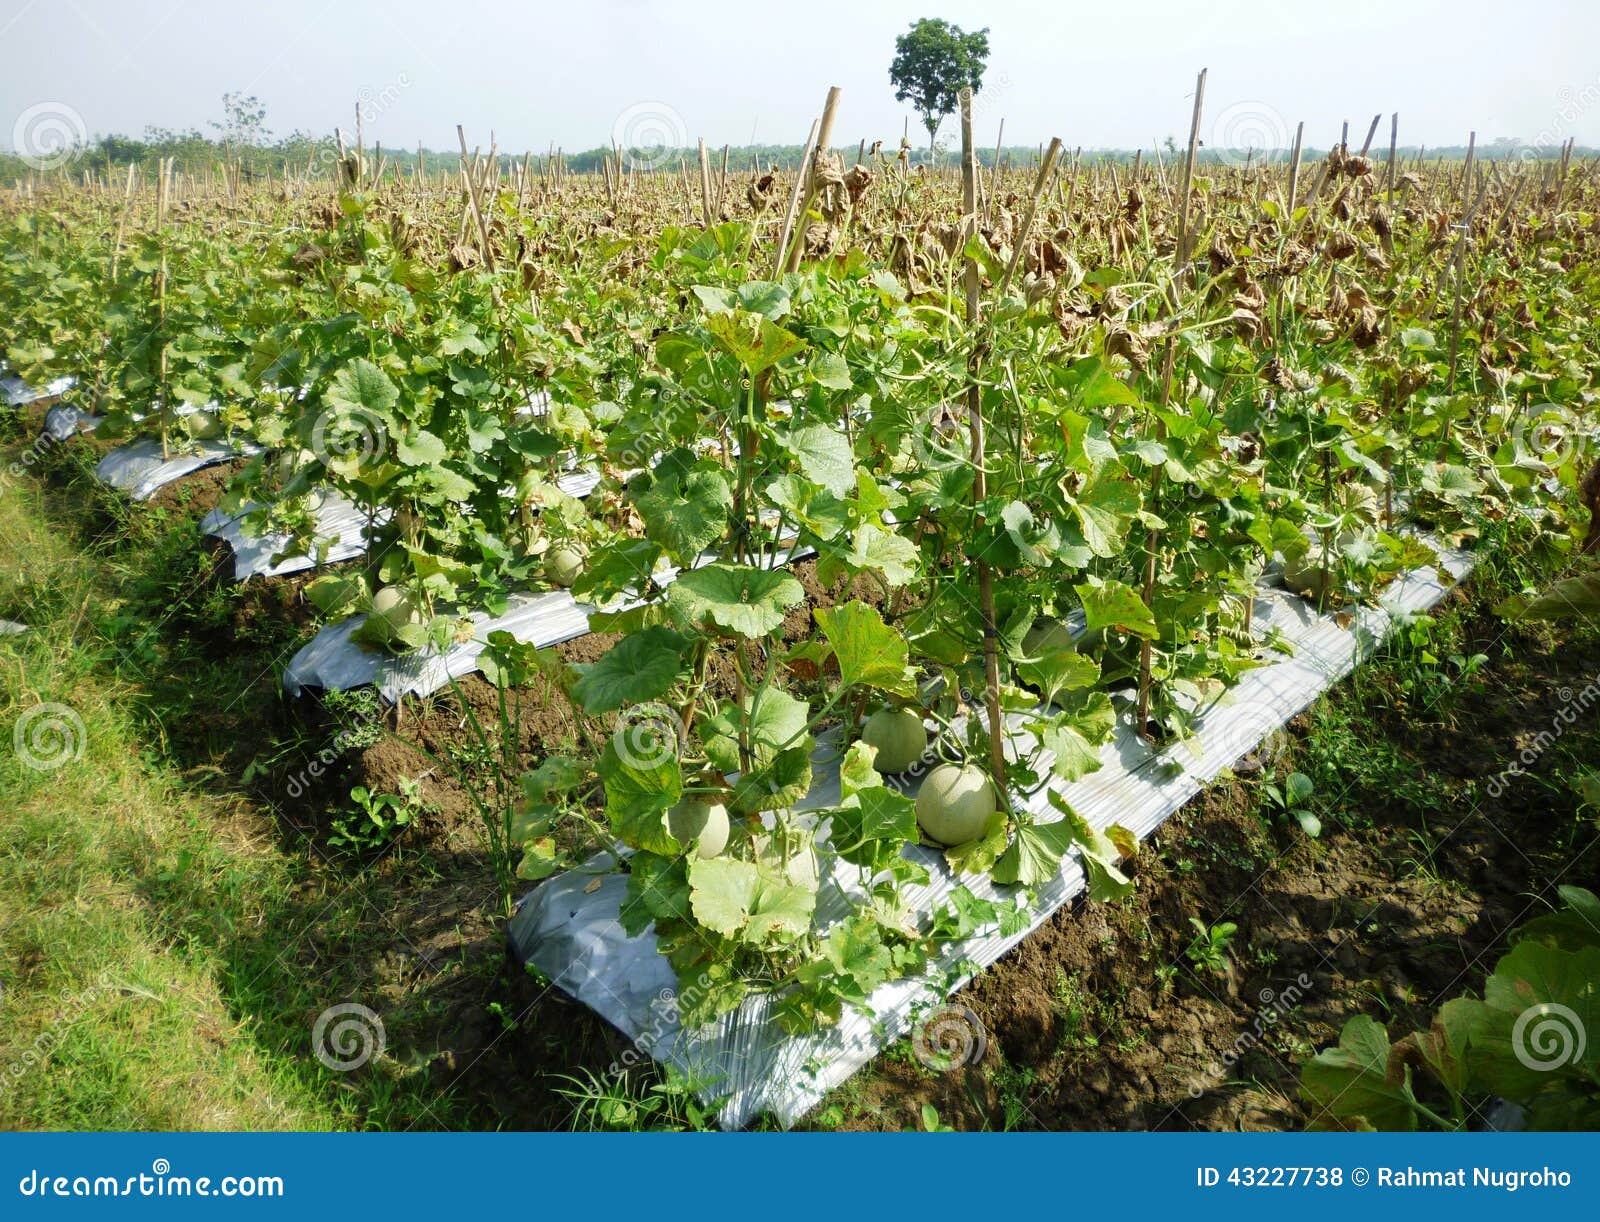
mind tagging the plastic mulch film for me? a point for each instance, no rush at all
(17, 393)
(569, 926)
(334, 662)
(63, 422)
(341, 533)
(10, 627)
(139, 469)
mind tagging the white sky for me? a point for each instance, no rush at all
(1117, 74)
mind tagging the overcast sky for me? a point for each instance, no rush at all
(580, 72)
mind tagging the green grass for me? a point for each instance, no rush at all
(164, 950)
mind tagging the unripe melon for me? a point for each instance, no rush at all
(699, 824)
(563, 564)
(955, 803)
(899, 736)
(203, 426)
(396, 606)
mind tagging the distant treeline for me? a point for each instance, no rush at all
(303, 153)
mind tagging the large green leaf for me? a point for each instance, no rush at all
(754, 341)
(738, 598)
(360, 387)
(769, 720)
(873, 826)
(1358, 1085)
(1540, 1021)
(747, 902)
(1117, 606)
(686, 510)
(891, 554)
(1082, 721)
(638, 797)
(777, 784)
(1034, 855)
(1036, 542)
(830, 369)
(1105, 509)
(1570, 598)
(641, 666)
(824, 456)
(869, 652)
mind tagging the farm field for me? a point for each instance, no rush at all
(829, 568)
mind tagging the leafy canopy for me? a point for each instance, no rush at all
(934, 61)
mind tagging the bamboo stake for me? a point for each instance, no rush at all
(1039, 183)
(808, 174)
(991, 635)
(1462, 239)
(472, 200)
(1394, 136)
(705, 185)
(794, 202)
(994, 173)
(1153, 536)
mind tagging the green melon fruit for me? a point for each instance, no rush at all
(394, 607)
(1305, 576)
(899, 736)
(203, 426)
(955, 803)
(563, 564)
(695, 822)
